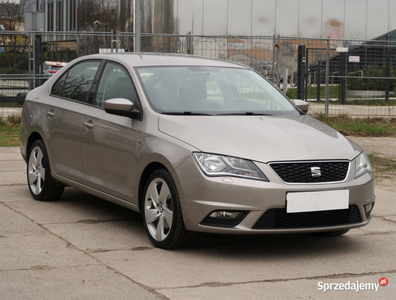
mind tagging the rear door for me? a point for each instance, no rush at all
(65, 116)
(108, 141)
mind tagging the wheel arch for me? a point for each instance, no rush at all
(34, 136)
(148, 170)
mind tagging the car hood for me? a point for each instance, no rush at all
(261, 138)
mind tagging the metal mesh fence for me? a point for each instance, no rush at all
(23, 58)
(361, 75)
(14, 53)
(351, 77)
(253, 51)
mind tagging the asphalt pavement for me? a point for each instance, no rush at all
(82, 247)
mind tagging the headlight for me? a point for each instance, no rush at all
(363, 165)
(218, 165)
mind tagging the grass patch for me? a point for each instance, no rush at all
(391, 102)
(312, 92)
(333, 93)
(9, 132)
(381, 164)
(360, 126)
(9, 104)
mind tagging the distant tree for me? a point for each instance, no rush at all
(11, 13)
(11, 17)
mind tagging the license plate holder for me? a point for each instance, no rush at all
(297, 202)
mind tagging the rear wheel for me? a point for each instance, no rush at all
(332, 233)
(41, 184)
(162, 215)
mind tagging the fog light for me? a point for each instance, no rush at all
(368, 207)
(224, 218)
(222, 214)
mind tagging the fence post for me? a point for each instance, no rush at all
(34, 59)
(189, 43)
(285, 77)
(343, 72)
(306, 73)
(327, 77)
(300, 72)
(30, 61)
(38, 62)
(318, 81)
(387, 84)
(117, 40)
(138, 25)
(277, 62)
(273, 58)
(112, 40)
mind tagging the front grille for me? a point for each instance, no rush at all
(278, 218)
(301, 172)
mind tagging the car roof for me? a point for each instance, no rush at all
(163, 59)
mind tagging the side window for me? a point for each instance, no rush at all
(79, 81)
(115, 83)
(58, 86)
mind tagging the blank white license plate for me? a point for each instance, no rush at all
(317, 201)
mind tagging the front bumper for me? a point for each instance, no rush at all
(200, 195)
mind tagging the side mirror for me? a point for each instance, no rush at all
(119, 106)
(302, 105)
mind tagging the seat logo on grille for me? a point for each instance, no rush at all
(315, 172)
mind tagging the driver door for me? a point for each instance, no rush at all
(108, 141)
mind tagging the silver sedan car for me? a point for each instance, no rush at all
(195, 145)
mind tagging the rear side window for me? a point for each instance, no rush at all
(79, 81)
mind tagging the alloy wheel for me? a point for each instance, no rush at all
(36, 170)
(158, 206)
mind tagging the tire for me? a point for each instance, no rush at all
(332, 233)
(40, 182)
(161, 210)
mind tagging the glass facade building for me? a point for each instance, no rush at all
(337, 19)
(105, 15)
(343, 19)
(88, 15)
(61, 15)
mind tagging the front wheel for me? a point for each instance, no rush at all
(162, 215)
(41, 184)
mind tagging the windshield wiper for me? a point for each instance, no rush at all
(246, 113)
(191, 113)
(185, 113)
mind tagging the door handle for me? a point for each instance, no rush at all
(50, 113)
(88, 124)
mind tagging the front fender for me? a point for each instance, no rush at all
(162, 149)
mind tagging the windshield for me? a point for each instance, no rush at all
(212, 91)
